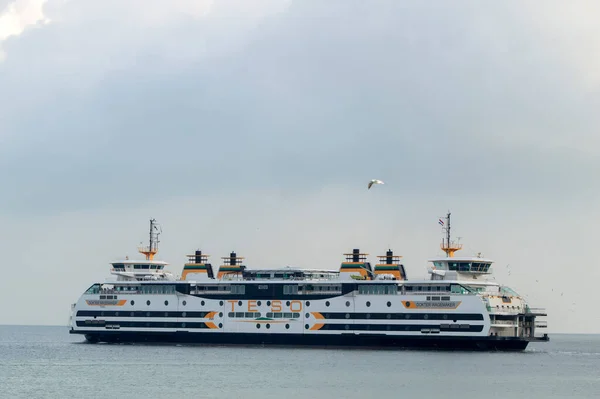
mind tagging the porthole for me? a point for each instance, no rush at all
(166, 303)
(347, 327)
(287, 326)
(307, 315)
(286, 304)
(269, 303)
(132, 303)
(220, 303)
(148, 303)
(239, 303)
(347, 303)
(368, 315)
(454, 321)
(202, 303)
(307, 303)
(258, 303)
(368, 304)
(220, 314)
(327, 303)
(132, 314)
(166, 314)
(220, 325)
(388, 328)
(388, 316)
(407, 316)
(258, 326)
(147, 314)
(445, 317)
(407, 304)
(184, 303)
(425, 316)
(116, 314)
(268, 326)
(182, 324)
(389, 304)
(101, 313)
(183, 314)
(306, 326)
(347, 315)
(148, 325)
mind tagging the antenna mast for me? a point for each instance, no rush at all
(448, 231)
(449, 247)
(152, 249)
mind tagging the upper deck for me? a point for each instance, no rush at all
(289, 273)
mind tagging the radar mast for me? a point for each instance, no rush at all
(151, 249)
(448, 246)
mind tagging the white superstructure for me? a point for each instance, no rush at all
(357, 305)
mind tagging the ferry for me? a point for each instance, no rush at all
(458, 307)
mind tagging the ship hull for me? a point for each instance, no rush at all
(315, 340)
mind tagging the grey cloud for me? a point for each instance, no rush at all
(326, 92)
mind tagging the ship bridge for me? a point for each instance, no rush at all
(459, 268)
(148, 269)
(452, 267)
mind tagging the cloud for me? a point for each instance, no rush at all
(18, 16)
(235, 95)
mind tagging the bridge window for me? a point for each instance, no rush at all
(464, 267)
(94, 289)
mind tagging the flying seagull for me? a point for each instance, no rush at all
(374, 181)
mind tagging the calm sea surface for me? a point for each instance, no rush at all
(40, 362)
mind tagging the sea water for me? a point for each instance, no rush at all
(47, 362)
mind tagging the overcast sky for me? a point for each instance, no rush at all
(255, 126)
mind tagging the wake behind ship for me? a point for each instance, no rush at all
(359, 305)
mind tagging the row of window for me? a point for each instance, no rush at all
(401, 316)
(365, 289)
(109, 313)
(268, 326)
(244, 314)
(121, 267)
(240, 289)
(377, 289)
(285, 315)
(464, 266)
(399, 327)
(132, 303)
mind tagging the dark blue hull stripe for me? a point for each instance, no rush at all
(396, 316)
(321, 340)
(326, 315)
